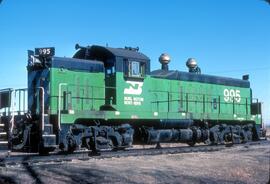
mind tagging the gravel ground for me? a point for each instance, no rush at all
(242, 164)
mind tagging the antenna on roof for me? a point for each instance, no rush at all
(132, 48)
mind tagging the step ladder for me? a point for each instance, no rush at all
(3, 136)
(49, 138)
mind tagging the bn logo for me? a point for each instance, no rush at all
(135, 88)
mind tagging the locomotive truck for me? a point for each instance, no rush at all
(108, 98)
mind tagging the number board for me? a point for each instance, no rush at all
(46, 51)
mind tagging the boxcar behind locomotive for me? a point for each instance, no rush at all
(106, 97)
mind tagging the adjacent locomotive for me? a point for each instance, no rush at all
(108, 98)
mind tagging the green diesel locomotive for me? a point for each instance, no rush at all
(108, 98)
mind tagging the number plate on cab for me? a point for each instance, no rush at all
(46, 51)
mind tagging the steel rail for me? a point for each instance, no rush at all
(60, 157)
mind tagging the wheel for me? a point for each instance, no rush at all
(68, 145)
(71, 146)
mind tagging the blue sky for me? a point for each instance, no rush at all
(228, 38)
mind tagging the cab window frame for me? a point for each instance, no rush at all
(129, 68)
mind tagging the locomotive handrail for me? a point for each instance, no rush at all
(6, 89)
(199, 101)
(92, 89)
(246, 101)
(5, 109)
(178, 92)
(59, 96)
(42, 108)
(101, 87)
(210, 95)
(11, 109)
(59, 104)
(12, 113)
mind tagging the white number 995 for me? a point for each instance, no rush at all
(232, 95)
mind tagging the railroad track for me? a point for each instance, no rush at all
(56, 158)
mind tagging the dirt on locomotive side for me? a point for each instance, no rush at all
(237, 164)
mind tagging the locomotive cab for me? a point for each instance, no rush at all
(122, 65)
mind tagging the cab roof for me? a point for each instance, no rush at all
(101, 53)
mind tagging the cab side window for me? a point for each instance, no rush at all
(134, 69)
(110, 71)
